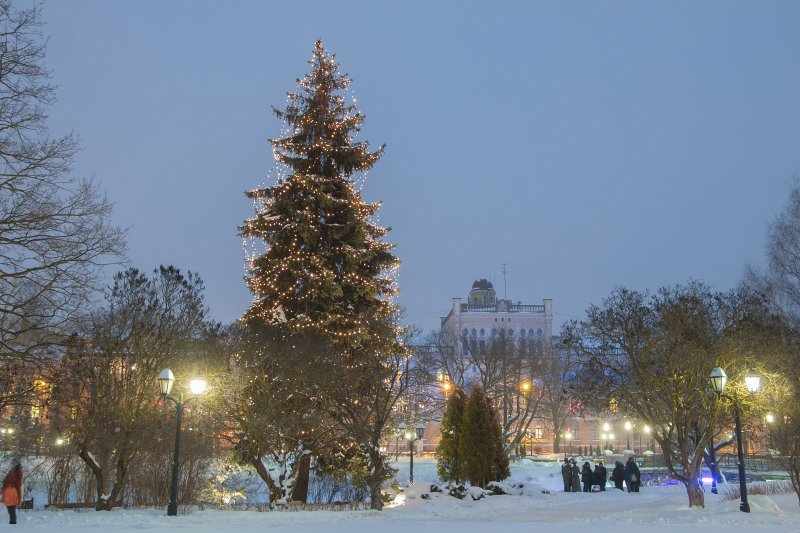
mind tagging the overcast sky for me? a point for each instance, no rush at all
(583, 144)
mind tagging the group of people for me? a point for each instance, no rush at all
(587, 480)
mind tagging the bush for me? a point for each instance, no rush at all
(458, 491)
(732, 492)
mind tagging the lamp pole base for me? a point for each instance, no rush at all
(172, 509)
(744, 507)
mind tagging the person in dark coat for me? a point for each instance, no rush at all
(600, 475)
(632, 475)
(618, 475)
(586, 477)
(566, 475)
(13, 480)
(576, 477)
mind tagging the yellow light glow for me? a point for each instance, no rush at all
(197, 385)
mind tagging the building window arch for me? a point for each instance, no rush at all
(483, 332)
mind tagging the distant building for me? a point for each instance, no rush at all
(484, 317)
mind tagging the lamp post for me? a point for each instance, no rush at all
(419, 432)
(568, 437)
(647, 430)
(770, 420)
(752, 382)
(197, 385)
(628, 428)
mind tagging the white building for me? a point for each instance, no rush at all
(484, 316)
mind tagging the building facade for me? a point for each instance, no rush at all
(484, 317)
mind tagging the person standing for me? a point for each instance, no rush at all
(600, 476)
(576, 477)
(632, 475)
(587, 477)
(566, 475)
(12, 489)
(618, 475)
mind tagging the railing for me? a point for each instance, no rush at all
(526, 308)
(513, 308)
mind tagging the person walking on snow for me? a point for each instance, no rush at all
(566, 475)
(600, 476)
(586, 477)
(576, 477)
(632, 475)
(618, 475)
(12, 490)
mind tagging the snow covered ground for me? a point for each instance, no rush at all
(655, 509)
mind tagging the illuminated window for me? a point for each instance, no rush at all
(537, 433)
(35, 413)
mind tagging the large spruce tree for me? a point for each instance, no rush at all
(325, 270)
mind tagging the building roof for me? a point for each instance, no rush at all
(482, 284)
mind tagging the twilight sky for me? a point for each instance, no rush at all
(584, 144)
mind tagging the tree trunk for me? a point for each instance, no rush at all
(263, 473)
(695, 493)
(300, 489)
(99, 477)
(376, 478)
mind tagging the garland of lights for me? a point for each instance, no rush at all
(312, 251)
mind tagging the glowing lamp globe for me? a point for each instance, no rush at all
(752, 381)
(197, 385)
(718, 380)
(165, 381)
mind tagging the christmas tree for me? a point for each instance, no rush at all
(325, 270)
(325, 267)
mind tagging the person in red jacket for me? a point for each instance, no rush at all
(13, 480)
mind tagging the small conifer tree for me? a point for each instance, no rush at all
(480, 442)
(449, 464)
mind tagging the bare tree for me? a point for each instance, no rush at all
(555, 365)
(55, 234)
(107, 396)
(653, 354)
(781, 282)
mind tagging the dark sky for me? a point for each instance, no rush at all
(584, 144)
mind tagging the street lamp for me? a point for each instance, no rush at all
(770, 420)
(412, 437)
(752, 382)
(568, 437)
(628, 427)
(197, 385)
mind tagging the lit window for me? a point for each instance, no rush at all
(35, 413)
(537, 433)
